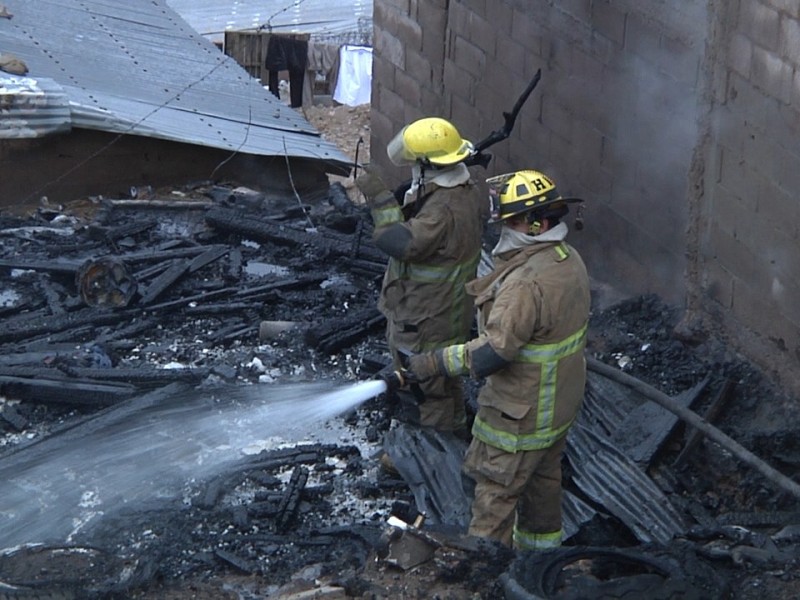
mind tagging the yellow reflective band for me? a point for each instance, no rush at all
(525, 540)
(508, 442)
(562, 251)
(544, 353)
(455, 359)
(449, 274)
(386, 216)
(544, 436)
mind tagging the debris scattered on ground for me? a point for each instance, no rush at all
(168, 313)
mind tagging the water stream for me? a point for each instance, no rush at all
(70, 482)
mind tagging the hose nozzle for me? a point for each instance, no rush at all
(394, 379)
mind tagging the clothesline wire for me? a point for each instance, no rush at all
(293, 4)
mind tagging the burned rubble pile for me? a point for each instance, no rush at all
(147, 316)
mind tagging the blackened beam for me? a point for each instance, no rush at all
(159, 285)
(60, 266)
(165, 204)
(70, 267)
(223, 308)
(268, 461)
(141, 376)
(262, 231)
(291, 500)
(65, 391)
(50, 295)
(249, 292)
(235, 561)
(10, 415)
(111, 234)
(177, 270)
(22, 327)
(156, 255)
(333, 335)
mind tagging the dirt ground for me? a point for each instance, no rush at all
(348, 128)
(188, 552)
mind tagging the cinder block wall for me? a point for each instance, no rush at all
(747, 274)
(677, 122)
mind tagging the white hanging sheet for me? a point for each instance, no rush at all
(354, 83)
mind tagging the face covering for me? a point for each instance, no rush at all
(447, 177)
(511, 239)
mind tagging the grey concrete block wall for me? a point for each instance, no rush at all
(679, 122)
(747, 267)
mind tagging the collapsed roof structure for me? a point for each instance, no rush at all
(135, 72)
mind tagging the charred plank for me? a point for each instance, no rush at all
(291, 500)
(258, 291)
(59, 266)
(235, 561)
(327, 243)
(28, 326)
(11, 415)
(52, 297)
(175, 271)
(65, 391)
(111, 234)
(332, 336)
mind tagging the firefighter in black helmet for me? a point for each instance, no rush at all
(533, 319)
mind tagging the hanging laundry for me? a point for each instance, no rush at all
(287, 53)
(354, 84)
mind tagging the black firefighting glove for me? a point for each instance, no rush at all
(426, 365)
(372, 186)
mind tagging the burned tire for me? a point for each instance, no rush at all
(39, 572)
(587, 573)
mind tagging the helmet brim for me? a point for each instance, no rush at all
(544, 206)
(466, 149)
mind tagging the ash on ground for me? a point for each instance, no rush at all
(305, 511)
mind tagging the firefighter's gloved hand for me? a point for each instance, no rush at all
(371, 185)
(426, 365)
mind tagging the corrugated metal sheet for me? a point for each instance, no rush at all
(606, 475)
(32, 107)
(136, 67)
(321, 18)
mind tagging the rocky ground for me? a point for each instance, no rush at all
(229, 536)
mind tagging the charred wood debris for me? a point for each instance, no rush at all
(141, 296)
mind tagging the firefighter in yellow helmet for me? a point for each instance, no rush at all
(433, 239)
(533, 317)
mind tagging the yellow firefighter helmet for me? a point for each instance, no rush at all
(525, 191)
(431, 140)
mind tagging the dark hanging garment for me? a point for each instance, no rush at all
(287, 53)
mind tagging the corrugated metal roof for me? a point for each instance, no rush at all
(136, 67)
(32, 107)
(320, 18)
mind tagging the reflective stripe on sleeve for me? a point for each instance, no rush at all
(382, 217)
(455, 359)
